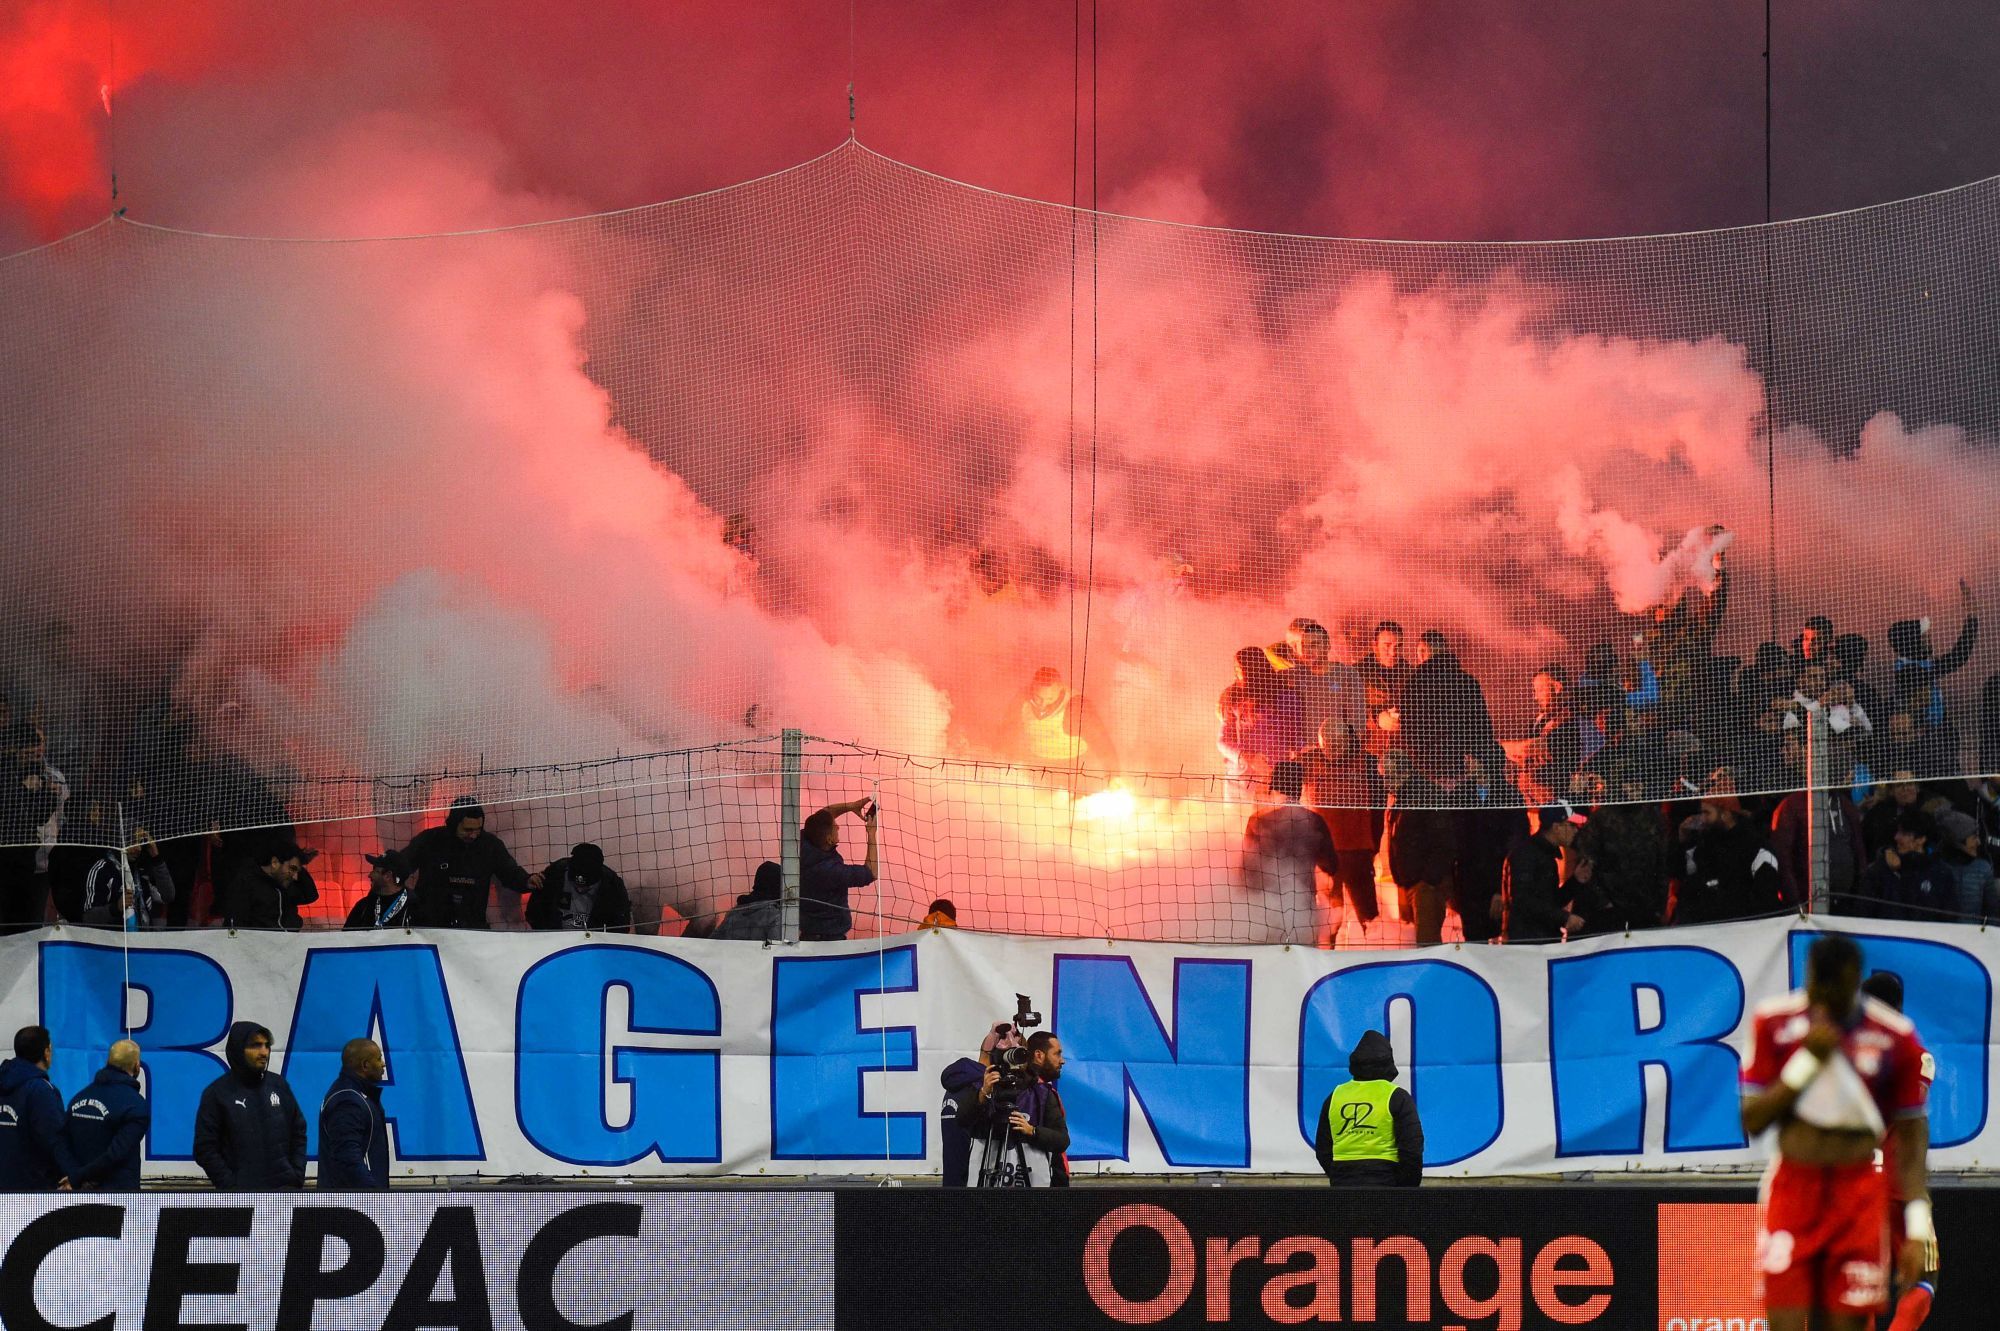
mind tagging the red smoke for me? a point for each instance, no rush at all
(1501, 122)
(64, 67)
(542, 437)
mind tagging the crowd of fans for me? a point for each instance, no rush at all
(1652, 764)
(1662, 785)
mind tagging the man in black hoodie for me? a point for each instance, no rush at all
(249, 1135)
(1369, 1133)
(456, 866)
(107, 1121)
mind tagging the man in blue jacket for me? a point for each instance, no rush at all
(107, 1121)
(249, 1135)
(353, 1138)
(34, 1156)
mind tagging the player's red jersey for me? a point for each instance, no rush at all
(1885, 1159)
(1873, 1079)
(1823, 1236)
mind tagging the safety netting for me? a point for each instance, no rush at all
(1081, 527)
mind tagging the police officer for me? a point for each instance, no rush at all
(1369, 1135)
(108, 1120)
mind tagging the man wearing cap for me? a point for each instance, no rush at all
(1534, 905)
(387, 905)
(579, 892)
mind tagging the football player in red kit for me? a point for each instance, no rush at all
(1913, 1302)
(1836, 1073)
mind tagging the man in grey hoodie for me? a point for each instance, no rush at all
(1369, 1134)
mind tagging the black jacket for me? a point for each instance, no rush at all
(107, 1121)
(1536, 906)
(353, 1137)
(612, 908)
(1374, 1060)
(1044, 1109)
(395, 914)
(1732, 874)
(961, 1081)
(1423, 844)
(23, 811)
(255, 900)
(1444, 718)
(1917, 887)
(249, 1134)
(1485, 832)
(34, 1154)
(455, 877)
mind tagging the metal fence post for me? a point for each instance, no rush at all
(791, 768)
(1819, 825)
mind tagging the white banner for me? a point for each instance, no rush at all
(574, 1054)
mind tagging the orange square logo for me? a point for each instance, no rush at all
(1705, 1265)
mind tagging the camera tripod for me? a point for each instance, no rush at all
(1003, 1160)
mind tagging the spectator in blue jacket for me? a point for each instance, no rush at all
(107, 1121)
(34, 1155)
(353, 1137)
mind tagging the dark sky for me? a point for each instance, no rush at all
(1500, 120)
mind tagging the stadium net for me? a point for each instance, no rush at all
(1017, 506)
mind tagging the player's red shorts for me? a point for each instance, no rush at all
(1823, 1238)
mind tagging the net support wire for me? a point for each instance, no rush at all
(124, 929)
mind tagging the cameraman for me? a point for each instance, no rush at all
(1030, 1122)
(967, 1082)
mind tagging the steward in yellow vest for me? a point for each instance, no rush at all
(1369, 1134)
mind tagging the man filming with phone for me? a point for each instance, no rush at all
(825, 878)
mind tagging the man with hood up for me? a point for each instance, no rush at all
(249, 1133)
(1369, 1134)
(456, 866)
